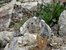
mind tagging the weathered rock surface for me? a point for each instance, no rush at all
(33, 32)
(5, 37)
(63, 48)
(26, 8)
(3, 2)
(55, 29)
(32, 5)
(6, 14)
(62, 23)
(46, 1)
(56, 42)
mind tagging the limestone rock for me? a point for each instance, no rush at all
(6, 14)
(55, 49)
(62, 23)
(45, 1)
(28, 6)
(55, 29)
(5, 37)
(56, 42)
(3, 2)
(63, 48)
(64, 39)
(20, 43)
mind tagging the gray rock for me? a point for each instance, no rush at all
(21, 43)
(3, 2)
(6, 14)
(55, 49)
(46, 1)
(5, 37)
(56, 42)
(55, 29)
(5, 22)
(32, 6)
(1, 48)
(64, 39)
(63, 47)
(62, 23)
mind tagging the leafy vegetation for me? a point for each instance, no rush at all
(50, 12)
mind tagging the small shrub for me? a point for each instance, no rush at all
(50, 12)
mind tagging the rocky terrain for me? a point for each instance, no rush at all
(20, 29)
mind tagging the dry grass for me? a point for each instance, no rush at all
(41, 42)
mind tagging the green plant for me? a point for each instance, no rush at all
(50, 12)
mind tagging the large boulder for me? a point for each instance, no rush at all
(62, 23)
(21, 43)
(6, 14)
(28, 6)
(32, 5)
